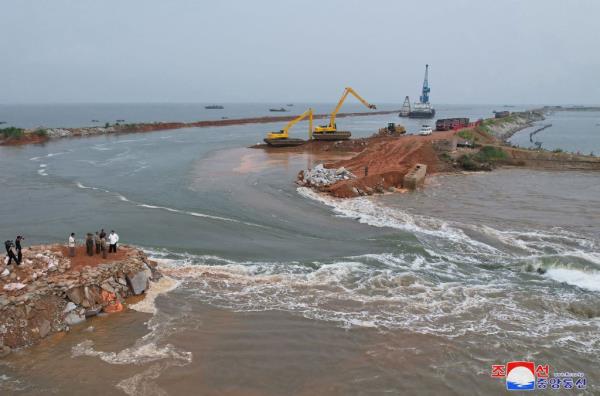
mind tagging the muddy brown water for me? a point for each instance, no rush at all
(281, 291)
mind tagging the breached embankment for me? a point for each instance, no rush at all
(34, 135)
(50, 292)
(380, 163)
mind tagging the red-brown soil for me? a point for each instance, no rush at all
(81, 259)
(388, 159)
(28, 138)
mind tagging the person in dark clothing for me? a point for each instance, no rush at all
(97, 242)
(19, 249)
(89, 244)
(102, 234)
(10, 252)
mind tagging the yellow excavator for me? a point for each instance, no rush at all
(282, 138)
(330, 132)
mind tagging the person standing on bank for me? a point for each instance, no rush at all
(103, 245)
(113, 239)
(10, 252)
(97, 242)
(89, 244)
(72, 245)
(19, 249)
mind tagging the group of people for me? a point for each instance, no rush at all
(14, 250)
(96, 243)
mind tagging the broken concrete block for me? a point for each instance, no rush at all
(138, 282)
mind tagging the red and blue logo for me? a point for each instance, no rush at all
(520, 376)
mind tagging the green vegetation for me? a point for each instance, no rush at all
(557, 150)
(12, 133)
(484, 159)
(41, 132)
(467, 134)
(491, 153)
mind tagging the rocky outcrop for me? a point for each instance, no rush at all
(504, 128)
(45, 295)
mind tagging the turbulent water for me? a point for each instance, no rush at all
(273, 289)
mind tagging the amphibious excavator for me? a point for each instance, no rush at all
(282, 138)
(330, 132)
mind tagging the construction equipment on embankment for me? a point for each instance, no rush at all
(282, 138)
(329, 131)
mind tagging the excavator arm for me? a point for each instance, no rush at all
(348, 90)
(284, 133)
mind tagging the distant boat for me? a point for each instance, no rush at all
(214, 107)
(95, 121)
(2, 122)
(289, 104)
(120, 120)
(281, 109)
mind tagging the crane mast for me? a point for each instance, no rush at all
(425, 94)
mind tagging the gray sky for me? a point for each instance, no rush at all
(480, 51)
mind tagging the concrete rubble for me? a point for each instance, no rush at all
(44, 295)
(320, 176)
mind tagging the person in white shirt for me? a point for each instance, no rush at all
(113, 239)
(72, 245)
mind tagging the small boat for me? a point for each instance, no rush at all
(95, 121)
(289, 104)
(281, 109)
(2, 122)
(120, 120)
(214, 107)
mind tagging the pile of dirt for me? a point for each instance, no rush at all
(382, 162)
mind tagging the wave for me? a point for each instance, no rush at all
(415, 292)
(49, 155)
(141, 353)
(167, 209)
(164, 285)
(588, 280)
(448, 238)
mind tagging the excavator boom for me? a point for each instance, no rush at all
(332, 127)
(347, 91)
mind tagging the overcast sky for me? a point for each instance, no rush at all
(480, 51)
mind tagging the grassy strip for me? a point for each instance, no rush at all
(12, 133)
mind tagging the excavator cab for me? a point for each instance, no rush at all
(282, 137)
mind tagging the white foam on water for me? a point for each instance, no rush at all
(168, 209)
(588, 280)
(141, 353)
(164, 285)
(50, 155)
